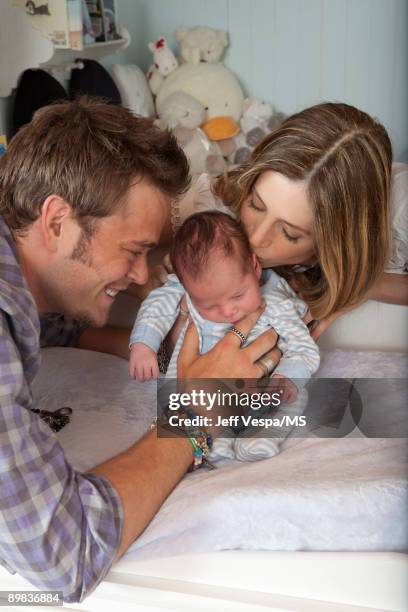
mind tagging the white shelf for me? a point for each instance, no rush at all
(23, 47)
(94, 51)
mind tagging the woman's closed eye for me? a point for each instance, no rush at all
(289, 236)
(254, 206)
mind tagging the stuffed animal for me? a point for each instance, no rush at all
(201, 44)
(183, 114)
(216, 88)
(180, 109)
(202, 154)
(134, 89)
(258, 119)
(254, 114)
(164, 63)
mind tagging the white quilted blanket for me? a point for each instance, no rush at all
(317, 494)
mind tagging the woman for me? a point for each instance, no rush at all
(321, 205)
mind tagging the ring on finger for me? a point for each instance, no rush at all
(242, 337)
(267, 364)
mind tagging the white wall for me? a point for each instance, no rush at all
(294, 53)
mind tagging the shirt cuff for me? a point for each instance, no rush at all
(147, 335)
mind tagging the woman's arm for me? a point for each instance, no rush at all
(391, 288)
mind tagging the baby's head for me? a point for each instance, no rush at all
(212, 257)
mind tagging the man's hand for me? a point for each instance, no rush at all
(143, 362)
(226, 359)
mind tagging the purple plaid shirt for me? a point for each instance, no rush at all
(60, 529)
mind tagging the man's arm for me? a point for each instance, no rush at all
(78, 523)
(108, 339)
(145, 474)
(59, 529)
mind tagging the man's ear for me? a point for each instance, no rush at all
(257, 266)
(54, 212)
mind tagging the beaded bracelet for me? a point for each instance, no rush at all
(200, 439)
(204, 436)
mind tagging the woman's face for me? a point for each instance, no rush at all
(279, 221)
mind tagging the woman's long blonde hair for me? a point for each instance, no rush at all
(344, 155)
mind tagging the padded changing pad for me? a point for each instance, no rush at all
(317, 494)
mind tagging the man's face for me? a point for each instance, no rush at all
(84, 282)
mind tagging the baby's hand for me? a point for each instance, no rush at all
(288, 388)
(143, 362)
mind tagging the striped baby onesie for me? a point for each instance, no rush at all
(283, 311)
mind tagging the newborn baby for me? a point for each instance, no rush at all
(223, 282)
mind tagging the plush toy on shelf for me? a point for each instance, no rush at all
(201, 44)
(183, 114)
(164, 62)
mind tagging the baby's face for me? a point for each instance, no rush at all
(225, 293)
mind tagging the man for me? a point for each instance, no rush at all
(83, 195)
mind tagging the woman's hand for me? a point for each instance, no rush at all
(318, 327)
(390, 288)
(227, 359)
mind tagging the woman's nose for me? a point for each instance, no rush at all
(260, 236)
(139, 271)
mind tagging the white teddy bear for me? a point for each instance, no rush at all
(183, 114)
(201, 44)
(181, 109)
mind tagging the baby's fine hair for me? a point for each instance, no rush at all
(201, 236)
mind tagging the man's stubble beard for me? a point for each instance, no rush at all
(82, 255)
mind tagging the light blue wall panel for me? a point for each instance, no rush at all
(333, 65)
(264, 53)
(217, 11)
(357, 52)
(381, 66)
(294, 53)
(399, 123)
(240, 57)
(309, 58)
(285, 55)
